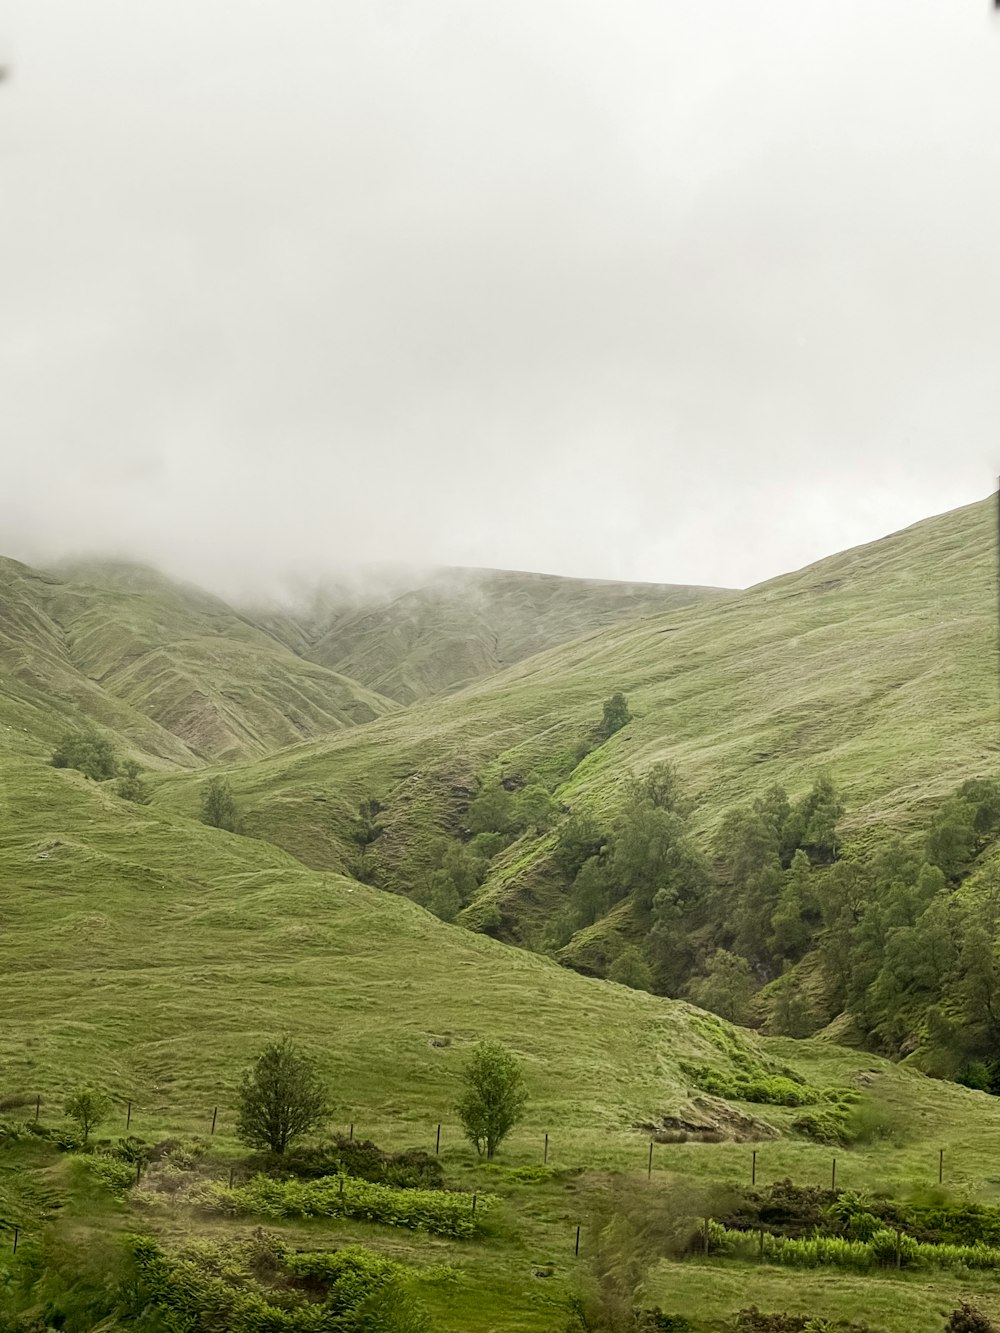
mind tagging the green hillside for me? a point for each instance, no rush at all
(177, 673)
(878, 664)
(465, 624)
(151, 956)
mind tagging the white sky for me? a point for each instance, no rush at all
(683, 290)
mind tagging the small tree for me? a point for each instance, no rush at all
(87, 1107)
(130, 786)
(218, 808)
(616, 715)
(726, 988)
(631, 969)
(281, 1098)
(87, 751)
(494, 1097)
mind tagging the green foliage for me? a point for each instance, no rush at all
(365, 830)
(87, 751)
(218, 806)
(753, 1086)
(887, 1248)
(281, 1098)
(493, 1097)
(492, 811)
(726, 988)
(130, 786)
(579, 839)
(360, 1158)
(87, 1107)
(534, 809)
(251, 1286)
(631, 969)
(116, 1175)
(442, 1212)
(615, 716)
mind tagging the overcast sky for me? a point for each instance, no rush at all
(679, 290)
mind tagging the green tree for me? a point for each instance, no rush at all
(130, 786)
(791, 930)
(218, 806)
(726, 987)
(631, 969)
(443, 898)
(535, 809)
(493, 1098)
(87, 751)
(282, 1097)
(87, 1107)
(492, 811)
(952, 840)
(616, 715)
(579, 839)
(814, 820)
(792, 1015)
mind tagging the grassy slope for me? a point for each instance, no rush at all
(177, 673)
(879, 664)
(464, 624)
(152, 955)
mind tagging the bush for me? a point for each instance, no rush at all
(442, 1212)
(359, 1158)
(760, 1087)
(87, 751)
(130, 786)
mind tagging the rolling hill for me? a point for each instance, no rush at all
(878, 663)
(150, 955)
(462, 625)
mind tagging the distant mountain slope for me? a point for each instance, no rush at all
(466, 624)
(176, 671)
(879, 663)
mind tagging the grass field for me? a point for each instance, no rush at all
(153, 956)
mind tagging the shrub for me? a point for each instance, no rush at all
(281, 1098)
(413, 1169)
(442, 1212)
(754, 1085)
(87, 751)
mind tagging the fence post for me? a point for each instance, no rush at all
(231, 1170)
(128, 1116)
(577, 1250)
(351, 1135)
(474, 1198)
(753, 1168)
(940, 1165)
(833, 1175)
(138, 1172)
(649, 1166)
(437, 1145)
(214, 1115)
(899, 1250)
(16, 1230)
(545, 1156)
(38, 1106)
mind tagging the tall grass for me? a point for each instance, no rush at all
(885, 1249)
